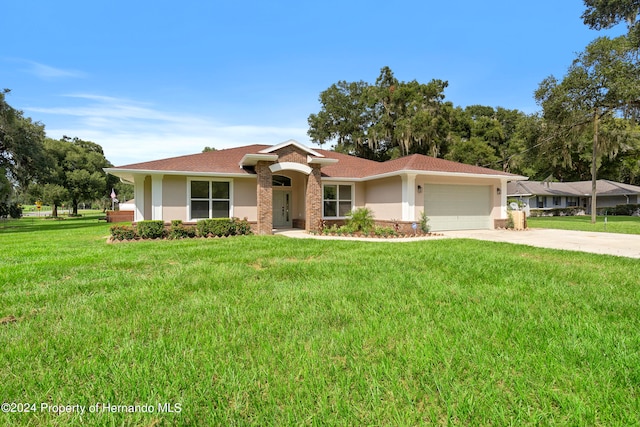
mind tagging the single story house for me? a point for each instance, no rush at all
(291, 185)
(558, 195)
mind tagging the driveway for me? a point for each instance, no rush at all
(625, 245)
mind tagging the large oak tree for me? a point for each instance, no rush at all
(76, 166)
(600, 87)
(603, 14)
(21, 144)
(385, 120)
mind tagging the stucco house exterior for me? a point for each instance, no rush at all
(577, 194)
(290, 185)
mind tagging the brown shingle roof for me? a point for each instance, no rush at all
(420, 162)
(227, 162)
(219, 161)
(347, 166)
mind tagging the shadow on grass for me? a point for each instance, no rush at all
(31, 224)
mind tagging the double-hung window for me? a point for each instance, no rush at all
(209, 199)
(337, 200)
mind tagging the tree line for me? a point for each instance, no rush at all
(586, 128)
(587, 125)
(60, 172)
(392, 118)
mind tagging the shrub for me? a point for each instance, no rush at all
(243, 227)
(222, 227)
(15, 211)
(424, 222)
(510, 224)
(123, 232)
(214, 227)
(571, 211)
(385, 231)
(330, 230)
(630, 209)
(360, 219)
(180, 231)
(151, 229)
(351, 229)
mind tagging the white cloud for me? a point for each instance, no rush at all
(48, 72)
(131, 132)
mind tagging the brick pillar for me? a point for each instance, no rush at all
(314, 199)
(265, 198)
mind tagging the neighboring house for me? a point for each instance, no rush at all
(291, 185)
(558, 195)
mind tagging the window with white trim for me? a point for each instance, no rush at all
(337, 200)
(209, 199)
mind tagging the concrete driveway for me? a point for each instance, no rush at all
(626, 245)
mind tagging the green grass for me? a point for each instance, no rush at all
(614, 224)
(274, 331)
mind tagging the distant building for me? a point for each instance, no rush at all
(559, 195)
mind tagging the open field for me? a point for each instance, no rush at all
(273, 331)
(614, 224)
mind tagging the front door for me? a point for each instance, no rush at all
(281, 209)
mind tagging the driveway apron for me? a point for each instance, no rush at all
(625, 245)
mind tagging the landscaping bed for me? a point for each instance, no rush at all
(157, 229)
(361, 223)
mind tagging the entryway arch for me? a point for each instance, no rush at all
(292, 166)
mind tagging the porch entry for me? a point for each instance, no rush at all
(281, 209)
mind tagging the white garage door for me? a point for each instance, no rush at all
(458, 207)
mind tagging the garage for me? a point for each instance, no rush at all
(458, 207)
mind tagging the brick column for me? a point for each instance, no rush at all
(265, 198)
(313, 199)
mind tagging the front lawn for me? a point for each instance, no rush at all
(614, 224)
(266, 330)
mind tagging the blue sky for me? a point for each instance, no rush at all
(154, 79)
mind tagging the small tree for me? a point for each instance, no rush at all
(54, 195)
(424, 223)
